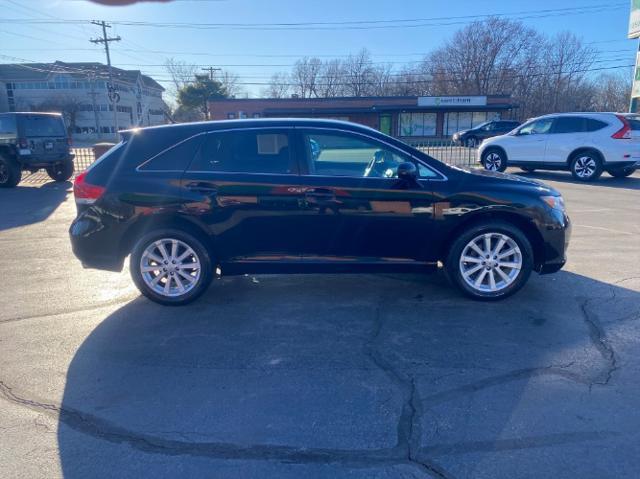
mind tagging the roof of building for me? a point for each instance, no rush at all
(42, 71)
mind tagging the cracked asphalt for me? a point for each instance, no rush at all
(354, 376)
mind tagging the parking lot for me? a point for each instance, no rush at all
(366, 376)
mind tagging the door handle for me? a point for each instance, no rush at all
(204, 188)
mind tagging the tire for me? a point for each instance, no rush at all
(175, 274)
(61, 171)
(527, 169)
(586, 166)
(621, 172)
(494, 159)
(471, 142)
(10, 173)
(504, 238)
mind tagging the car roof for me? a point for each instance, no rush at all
(592, 114)
(30, 113)
(260, 123)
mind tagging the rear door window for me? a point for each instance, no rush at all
(39, 126)
(595, 125)
(265, 151)
(570, 124)
(634, 122)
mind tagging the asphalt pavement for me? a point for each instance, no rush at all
(351, 376)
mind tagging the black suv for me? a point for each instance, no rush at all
(301, 196)
(30, 141)
(474, 136)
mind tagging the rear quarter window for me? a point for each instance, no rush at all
(176, 158)
(634, 122)
(595, 125)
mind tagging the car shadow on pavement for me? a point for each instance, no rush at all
(24, 205)
(629, 183)
(284, 376)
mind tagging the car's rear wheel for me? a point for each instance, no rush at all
(171, 266)
(61, 171)
(10, 173)
(621, 172)
(494, 159)
(586, 166)
(490, 261)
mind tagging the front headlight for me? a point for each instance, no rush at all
(554, 202)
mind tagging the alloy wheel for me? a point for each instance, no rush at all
(491, 262)
(585, 167)
(493, 162)
(170, 267)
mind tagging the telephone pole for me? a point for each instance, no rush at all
(211, 70)
(112, 90)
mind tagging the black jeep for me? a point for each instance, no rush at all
(30, 141)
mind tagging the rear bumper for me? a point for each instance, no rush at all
(93, 246)
(39, 162)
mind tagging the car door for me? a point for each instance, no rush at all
(355, 206)
(567, 134)
(243, 185)
(528, 144)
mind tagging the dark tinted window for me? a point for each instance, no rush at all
(34, 126)
(177, 158)
(250, 151)
(634, 122)
(569, 124)
(594, 125)
(7, 125)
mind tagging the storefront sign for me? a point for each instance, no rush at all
(453, 101)
(634, 20)
(635, 92)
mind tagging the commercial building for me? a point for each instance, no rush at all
(81, 92)
(411, 118)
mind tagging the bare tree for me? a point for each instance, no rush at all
(68, 105)
(231, 83)
(181, 74)
(305, 77)
(612, 92)
(330, 84)
(358, 74)
(278, 86)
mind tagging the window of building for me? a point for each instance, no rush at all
(254, 151)
(455, 121)
(231, 116)
(176, 158)
(418, 124)
(256, 115)
(242, 114)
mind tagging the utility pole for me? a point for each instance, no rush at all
(93, 94)
(211, 70)
(112, 91)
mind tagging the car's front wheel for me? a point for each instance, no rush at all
(471, 142)
(61, 171)
(171, 266)
(494, 159)
(490, 261)
(10, 173)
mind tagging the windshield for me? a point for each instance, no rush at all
(45, 125)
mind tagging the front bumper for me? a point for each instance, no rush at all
(556, 235)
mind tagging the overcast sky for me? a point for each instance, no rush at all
(255, 53)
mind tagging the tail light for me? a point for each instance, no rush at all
(23, 143)
(623, 133)
(86, 193)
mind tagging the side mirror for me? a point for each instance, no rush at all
(407, 171)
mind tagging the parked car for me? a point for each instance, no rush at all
(302, 196)
(474, 136)
(584, 143)
(31, 141)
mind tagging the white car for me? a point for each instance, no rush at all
(584, 143)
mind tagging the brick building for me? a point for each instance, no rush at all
(407, 117)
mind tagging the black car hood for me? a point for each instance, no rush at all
(506, 177)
